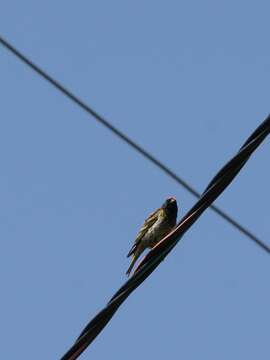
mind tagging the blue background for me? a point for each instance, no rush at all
(188, 80)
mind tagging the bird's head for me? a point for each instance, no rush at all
(170, 206)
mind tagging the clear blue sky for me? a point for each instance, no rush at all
(188, 80)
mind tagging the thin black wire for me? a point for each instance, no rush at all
(129, 141)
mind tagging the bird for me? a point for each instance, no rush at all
(158, 224)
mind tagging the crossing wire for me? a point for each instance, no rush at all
(129, 141)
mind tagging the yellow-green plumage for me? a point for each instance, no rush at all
(155, 227)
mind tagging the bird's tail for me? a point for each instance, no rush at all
(138, 251)
(134, 259)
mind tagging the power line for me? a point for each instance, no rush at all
(155, 256)
(129, 141)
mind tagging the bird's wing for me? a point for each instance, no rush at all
(152, 218)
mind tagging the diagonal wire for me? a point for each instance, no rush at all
(129, 141)
(155, 256)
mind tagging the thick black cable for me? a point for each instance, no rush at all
(216, 186)
(129, 141)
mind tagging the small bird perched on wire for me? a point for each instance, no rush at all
(155, 227)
